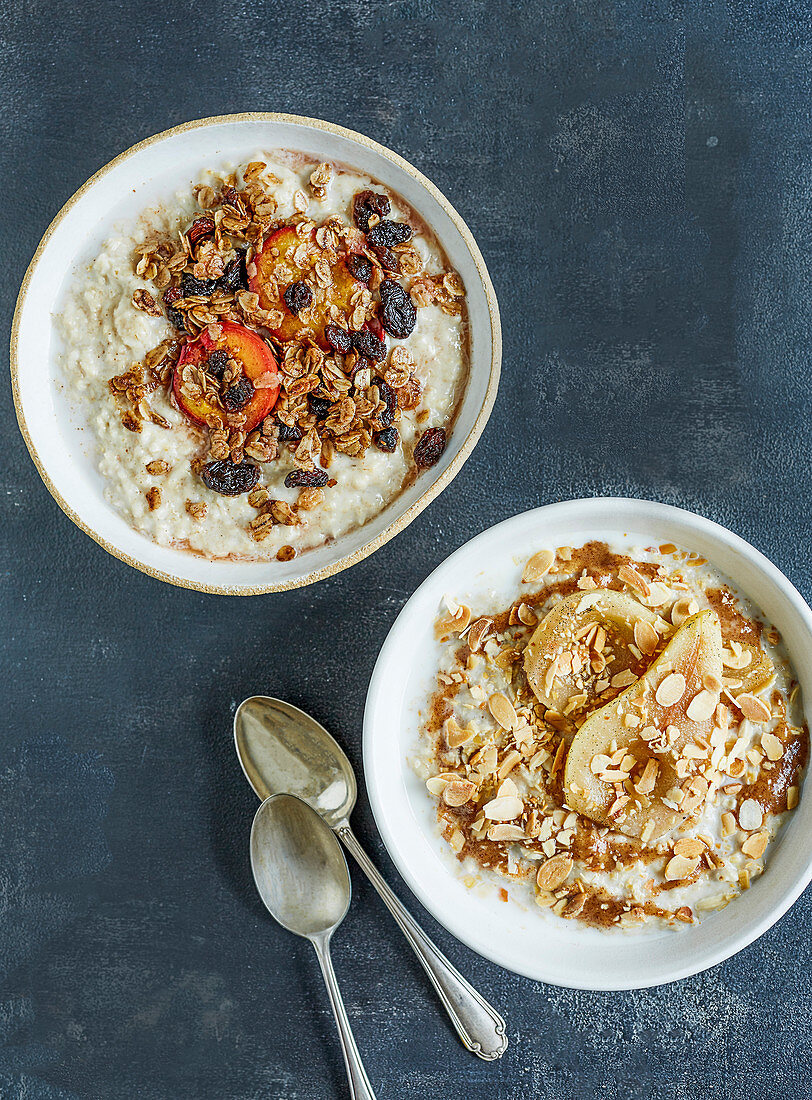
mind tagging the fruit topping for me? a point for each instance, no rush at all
(298, 296)
(310, 479)
(359, 266)
(368, 345)
(242, 387)
(386, 234)
(338, 338)
(236, 397)
(174, 316)
(430, 448)
(387, 440)
(398, 315)
(368, 204)
(230, 479)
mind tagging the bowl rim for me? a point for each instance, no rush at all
(431, 492)
(683, 965)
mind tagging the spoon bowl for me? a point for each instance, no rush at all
(299, 868)
(282, 750)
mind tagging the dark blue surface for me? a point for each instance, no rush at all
(637, 176)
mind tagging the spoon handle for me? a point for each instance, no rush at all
(480, 1026)
(360, 1088)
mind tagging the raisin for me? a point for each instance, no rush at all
(288, 434)
(386, 440)
(298, 296)
(311, 479)
(367, 203)
(359, 267)
(236, 397)
(319, 406)
(235, 276)
(388, 260)
(385, 234)
(368, 345)
(198, 288)
(217, 362)
(390, 399)
(430, 448)
(229, 195)
(174, 316)
(200, 228)
(398, 315)
(229, 478)
(338, 338)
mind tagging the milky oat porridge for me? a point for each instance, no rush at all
(268, 360)
(624, 741)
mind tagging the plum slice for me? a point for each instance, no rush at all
(259, 366)
(281, 265)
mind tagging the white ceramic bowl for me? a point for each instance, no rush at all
(142, 176)
(520, 936)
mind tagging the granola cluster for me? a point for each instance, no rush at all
(501, 768)
(322, 295)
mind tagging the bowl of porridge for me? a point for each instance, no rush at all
(601, 729)
(252, 349)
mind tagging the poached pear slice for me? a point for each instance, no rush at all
(562, 640)
(684, 713)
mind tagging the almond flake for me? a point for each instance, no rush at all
(792, 797)
(689, 847)
(648, 780)
(554, 872)
(755, 845)
(537, 566)
(630, 576)
(772, 745)
(702, 706)
(455, 735)
(671, 690)
(507, 808)
(679, 868)
(750, 815)
(753, 708)
(645, 637)
(502, 710)
(506, 833)
(458, 792)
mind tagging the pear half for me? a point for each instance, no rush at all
(582, 670)
(629, 721)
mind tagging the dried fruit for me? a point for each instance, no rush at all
(288, 433)
(398, 315)
(192, 287)
(387, 440)
(367, 203)
(338, 338)
(390, 399)
(298, 296)
(311, 479)
(236, 397)
(319, 406)
(430, 448)
(235, 275)
(359, 266)
(388, 260)
(229, 478)
(200, 228)
(174, 316)
(368, 345)
(217, 362)
(386, 234)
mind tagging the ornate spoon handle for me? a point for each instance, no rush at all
(480, 1026)
(360, 1088)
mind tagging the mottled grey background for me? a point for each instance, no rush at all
(637, 176)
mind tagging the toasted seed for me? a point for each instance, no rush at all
(537, 566)
(671, 690)
(750, 815)
(554, 872)
(753, 708)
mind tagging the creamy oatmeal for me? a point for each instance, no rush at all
(623, 742)
(268, 360)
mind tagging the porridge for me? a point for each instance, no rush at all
(623, 742)
(267, 361)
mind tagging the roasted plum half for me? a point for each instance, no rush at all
(258, 385)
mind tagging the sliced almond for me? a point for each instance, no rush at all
(477, 634)
(506, 833)
(457, 840)
(458, 792)
(502, 710)
(728, 824)
(527, 615)
(645, 637)
(671, 689)
(537, 566)
(599, 763)
(436, 785)
(507, 808)
(736, 656)
(680, 867)
(702, 706)
(689, 847)
(509, 763)
(683, 609)
(755, 845)
(455, 735)
(753, 708)
(750, 815)
(648, 780)
(772, 745)
(658, 594)
(792, 797)
(635, 580)
(711, 683)
(554, 872)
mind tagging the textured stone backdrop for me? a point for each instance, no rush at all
(637, 176)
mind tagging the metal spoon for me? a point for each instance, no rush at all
(282, 749)
(302, 877)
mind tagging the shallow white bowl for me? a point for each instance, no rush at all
(148, 173)
(517, 934)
